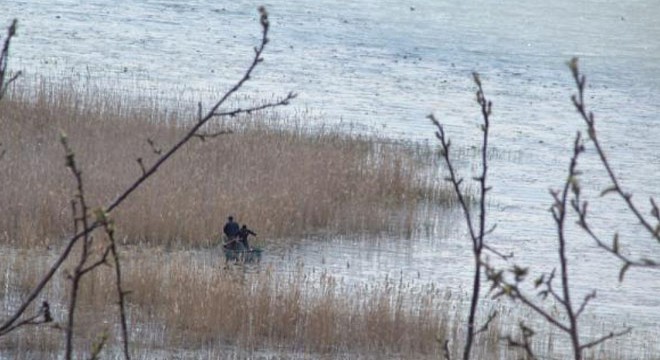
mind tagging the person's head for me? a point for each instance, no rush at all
(231, 218)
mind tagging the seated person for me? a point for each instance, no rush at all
(232, 231)
(243, 236)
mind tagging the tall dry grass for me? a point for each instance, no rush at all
(301, 313)
(188, 302)
(181, 300)
(277, 176)
(184, 303)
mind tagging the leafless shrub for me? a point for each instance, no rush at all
(650, 224)
(477, 231)
(507, 282)
(87, 221)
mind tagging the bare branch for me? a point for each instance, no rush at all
(447, 354)
(453, 178)
(4, 60)
(209, 115)
(98, 347)
(7, 324)
(548, 317)
(141, 163)
(511, 290)
(496, 252)
(43, 316)
(580, 207)
(204, 136)
(80, 269)
(484, 327)
(559, 215)
(102, 261)
(108, 225)
(156, 150)
(525, 344)
(551, 290)
(476, 234)
(589, 119)
(44, 281)
(611, 335)
(281, 102)
(587, 298)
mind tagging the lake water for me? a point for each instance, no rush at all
(381, 66)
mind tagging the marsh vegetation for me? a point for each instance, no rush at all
(278, 174)
(288, 179)
(183, 299)
(275, 173)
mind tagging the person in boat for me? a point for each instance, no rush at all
(243, 236)
(232, 231)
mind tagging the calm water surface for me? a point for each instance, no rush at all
(381, 67)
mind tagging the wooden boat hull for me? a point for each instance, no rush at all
(252, 255)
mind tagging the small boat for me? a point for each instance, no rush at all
(243, 255)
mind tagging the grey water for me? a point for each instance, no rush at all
(380, 67)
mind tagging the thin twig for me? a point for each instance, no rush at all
(587, 298)
(124, 195)
(559, 211)
(121, 294)
(526, 343)
(484, 327)
(580, 208)
(512, 291)
(204, 136)
(611, 335)
(551, 289)
(156, 150)
(43, 316)
(80, 269)
(101, 261)
(4, 60)
(476, 234)
(589, 119)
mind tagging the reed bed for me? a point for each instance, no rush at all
(277, 175)
(192, 304)
(184, 301)
(281, 177)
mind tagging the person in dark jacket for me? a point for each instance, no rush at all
(243, 236)
(232, 231)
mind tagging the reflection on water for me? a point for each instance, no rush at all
(363, 259)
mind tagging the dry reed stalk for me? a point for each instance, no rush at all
(281, 179)
(181, 302)
(23, 269)
(313, 315)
